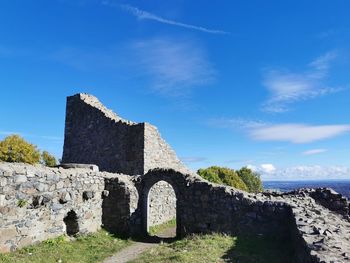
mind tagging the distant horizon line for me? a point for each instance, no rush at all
(305, 180)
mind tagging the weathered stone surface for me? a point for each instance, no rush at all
(42, 212)
(20, 179)
(3, 182)
(2, 200)
(88, 195)
(117, 145)
(79, 165)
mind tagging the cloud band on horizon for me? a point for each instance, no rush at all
(270, 172)
(297, 133)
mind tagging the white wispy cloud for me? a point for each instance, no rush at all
(172, 67)
(303, 172)
(236, 123)
(175, 67)
(287, 87)
(144, 15)
(268, 168)
(285, 132)
(297, 133)
(263, 169)
(314, 151)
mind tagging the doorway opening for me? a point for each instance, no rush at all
(161, 210)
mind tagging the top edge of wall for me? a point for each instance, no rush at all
(95, 103)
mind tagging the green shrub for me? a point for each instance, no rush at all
(15, 149)
(222, 175)
(251, 179)
(48, 159)
(244, 179)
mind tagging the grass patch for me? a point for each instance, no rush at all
(196, 248)
(85, 249)
(220, 248)
(154, 230)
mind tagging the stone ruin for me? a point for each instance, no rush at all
(141, 176)
(96, 135)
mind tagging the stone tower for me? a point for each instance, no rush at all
(96, 135)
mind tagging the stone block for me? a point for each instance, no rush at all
(7, 173)
(2, 200)
(3, 182)
(56, 207)
(41, 187)
(60, 185)
(20, 178)
(7, 234)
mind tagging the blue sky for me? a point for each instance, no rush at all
(231, 83)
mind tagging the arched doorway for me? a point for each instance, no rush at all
(161, 210)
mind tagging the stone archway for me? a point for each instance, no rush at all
(154, 177)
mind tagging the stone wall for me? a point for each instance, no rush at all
(119, 206)
(35, 200)
(161, 203)
(203, 207)
(159, 154)
(37, 203)
(330, 199)
(96, 135)
(316, 233)
(321, 234)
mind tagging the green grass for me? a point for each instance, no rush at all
(220, 248)
(85, 249)
(153, 230)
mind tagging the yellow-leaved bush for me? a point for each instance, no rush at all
(15, 149)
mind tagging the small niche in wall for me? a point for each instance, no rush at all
(71, 221)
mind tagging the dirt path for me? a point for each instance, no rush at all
(132, 252)
(129, 253)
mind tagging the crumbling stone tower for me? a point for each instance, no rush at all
(96, 135)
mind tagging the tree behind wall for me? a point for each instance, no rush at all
(48, 159)
(15, 149)
(251, 179)
(222, 175)
(244, 179)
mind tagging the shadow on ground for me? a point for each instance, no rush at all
(260, 249)
(167, 235)
(154, 239)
